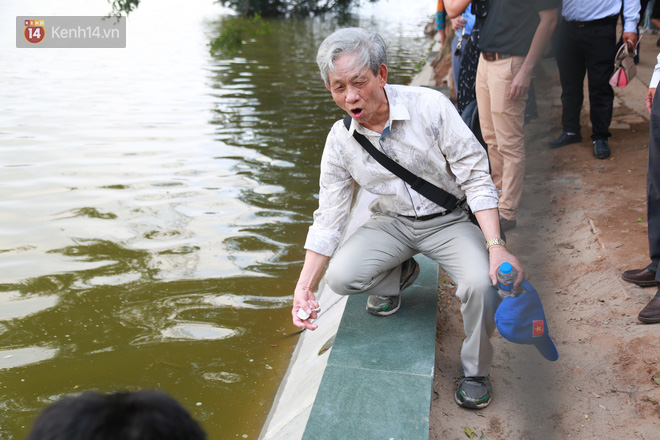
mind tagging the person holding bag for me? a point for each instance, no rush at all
(586, 43)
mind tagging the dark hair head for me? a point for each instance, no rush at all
(140, 415)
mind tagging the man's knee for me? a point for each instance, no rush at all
(343, 278)
(478, 289)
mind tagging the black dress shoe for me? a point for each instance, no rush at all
(565, 139)
(651, 313)
(601, 149)
(641, 277)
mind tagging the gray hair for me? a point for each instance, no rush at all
(368, 47)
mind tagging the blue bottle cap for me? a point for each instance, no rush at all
(506, 267)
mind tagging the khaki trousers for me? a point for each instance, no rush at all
(501, 121)
(370, 262)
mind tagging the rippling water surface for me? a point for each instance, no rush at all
(154, 201)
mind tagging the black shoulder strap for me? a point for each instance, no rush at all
(425, 188)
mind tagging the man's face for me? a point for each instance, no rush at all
(360, 93)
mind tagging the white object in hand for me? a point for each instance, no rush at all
(303, 315)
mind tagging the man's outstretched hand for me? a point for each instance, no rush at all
(303, 298)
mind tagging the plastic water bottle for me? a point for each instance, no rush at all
(506, 276)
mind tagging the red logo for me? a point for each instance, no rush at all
(34, 31)
(537, 329)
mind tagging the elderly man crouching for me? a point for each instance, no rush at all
(420, 129)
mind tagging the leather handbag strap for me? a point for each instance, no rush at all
(424, 187)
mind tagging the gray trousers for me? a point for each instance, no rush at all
(370, 262)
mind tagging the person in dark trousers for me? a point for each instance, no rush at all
(139, 415)
(649, 276)
(586, 42)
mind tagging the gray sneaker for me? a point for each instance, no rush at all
(387, 305)
(474, 392)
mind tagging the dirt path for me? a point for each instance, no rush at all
(578, 230)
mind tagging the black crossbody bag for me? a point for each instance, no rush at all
(424, 187)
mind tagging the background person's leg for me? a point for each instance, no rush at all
(600, 50)
(507, 116)
(486, 122)
(571, 65)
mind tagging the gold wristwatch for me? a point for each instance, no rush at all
(494, 242)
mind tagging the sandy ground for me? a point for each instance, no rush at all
(582, 223)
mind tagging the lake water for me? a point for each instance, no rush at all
(154, 201)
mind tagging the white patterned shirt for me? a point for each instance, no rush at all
(425, 135)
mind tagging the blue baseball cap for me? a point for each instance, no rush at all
(520, 319)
